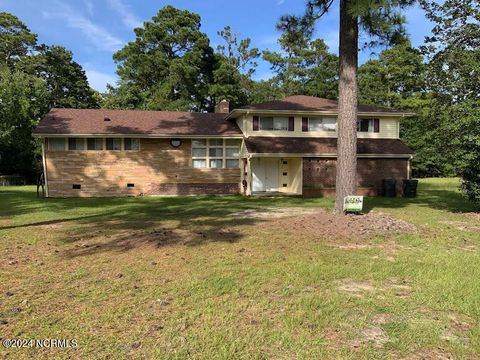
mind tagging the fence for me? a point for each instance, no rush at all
(12, 180)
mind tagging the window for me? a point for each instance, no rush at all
(232, 152)
(322, 124)
(199, 152)
(368, 125)
(199, 163)
(94, 144)
(215, 153)
(76, 144)
(273, 123)
(232, 163)
(216, 163)
(56, 144)
(201, 142)
(131, 144)
(113, 143)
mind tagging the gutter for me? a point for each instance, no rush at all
(150, 136)
(329, 155)
(313, 112)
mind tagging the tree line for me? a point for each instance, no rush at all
(171, 65)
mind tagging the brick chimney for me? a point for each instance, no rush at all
(223, 107)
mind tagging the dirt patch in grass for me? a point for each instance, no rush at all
(381, 319)
(375, 335)
(372, 335)
(430, 354)
(5, 222)
(460, 225)
(400, 288)
(333, 226)
(356, 287)
(473, 215)
(275, 213)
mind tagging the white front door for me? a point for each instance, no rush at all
(265, 174)
(271, 174)
(258, 175)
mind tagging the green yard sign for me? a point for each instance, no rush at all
(353, 204)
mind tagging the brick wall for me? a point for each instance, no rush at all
(156, 169)
(319, 175)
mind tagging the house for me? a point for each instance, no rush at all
(286, 146)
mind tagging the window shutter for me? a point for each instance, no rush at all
(305, 124)
(376, 125)
(255, 123)
(291, 123)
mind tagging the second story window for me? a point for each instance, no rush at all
(368, 125)
(322, 124)
(273, 123)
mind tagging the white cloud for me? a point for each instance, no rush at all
(99, 80)
(98, 35)
(127, 16)
(280, 2)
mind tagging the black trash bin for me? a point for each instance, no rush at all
(389, 187)
(410, 188)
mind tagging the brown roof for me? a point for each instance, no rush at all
(133, 122)
(312, 103)
(303, 145)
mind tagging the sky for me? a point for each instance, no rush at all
(95, 29)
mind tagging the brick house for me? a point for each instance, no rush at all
(286, 146)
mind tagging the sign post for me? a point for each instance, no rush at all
(353, 204)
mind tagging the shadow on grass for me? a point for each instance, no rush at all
(121, 224)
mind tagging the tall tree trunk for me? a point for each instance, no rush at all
(346, 181)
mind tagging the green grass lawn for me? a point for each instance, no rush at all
(164, 277)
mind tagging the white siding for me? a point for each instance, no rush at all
(389, 129)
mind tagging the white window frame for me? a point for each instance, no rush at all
(209, 144)
(85, 143)
(322, 126)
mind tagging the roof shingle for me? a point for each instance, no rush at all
(306, 145)
(135, 122)
(312, 103)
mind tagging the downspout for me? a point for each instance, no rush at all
(44, 167)
(409, 167)
(249, 176)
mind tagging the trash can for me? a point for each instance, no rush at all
(410, 188)
(389, 187)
